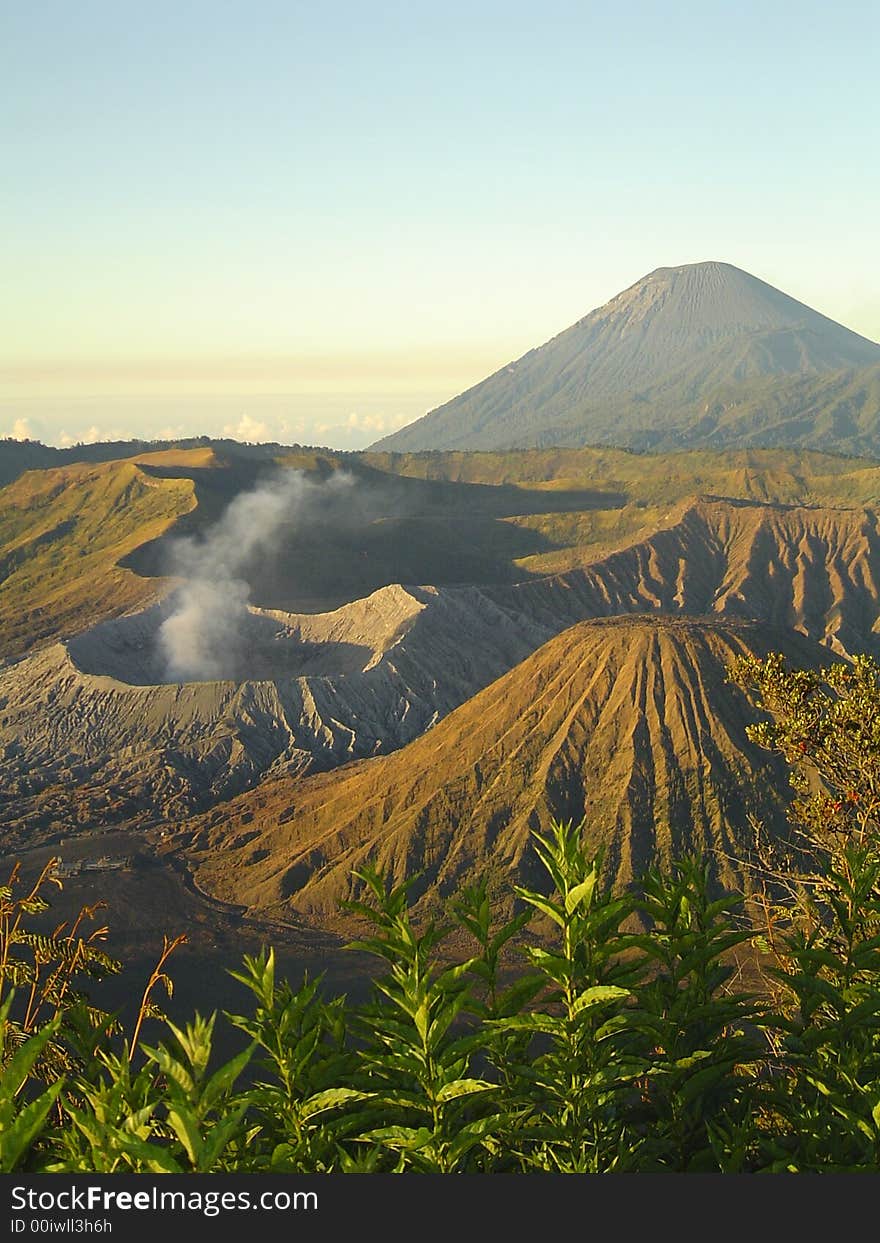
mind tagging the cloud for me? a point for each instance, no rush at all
(22, 430)
(376, 422)
(247, 429)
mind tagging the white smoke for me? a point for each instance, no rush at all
(204, 636)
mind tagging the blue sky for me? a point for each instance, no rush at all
(315, 221)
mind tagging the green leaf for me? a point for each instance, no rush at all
(405, 1137)
(223, 1079)
(16, 1140)
(576, 896)
(17, 1070)
(219, 1135)
(598, 995)
(186, 1129)
(467, 1137)
(542, 904)
(462, 1087)
(332, 1098)
(521, 991)
(152, 1157)
(530, 1023)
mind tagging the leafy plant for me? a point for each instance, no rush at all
(440, 1115)
(22, 1119)
(47, 971)
(697, 1034)
(575, 1085)
(595, 1031)
(301, 1106)
(827, 951)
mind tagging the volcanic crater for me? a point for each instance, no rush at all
(247, 645)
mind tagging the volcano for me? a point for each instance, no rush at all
(703, 354)
(627, 722)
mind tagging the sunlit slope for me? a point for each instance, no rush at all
(17, 456)
(63, 533)
(480, 518)
(382, 529)
(800, 568)
(628, 722)
(698, 354)
(790, 477)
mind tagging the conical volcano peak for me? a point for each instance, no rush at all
(663, 363)
(708, 298)
(708, 269)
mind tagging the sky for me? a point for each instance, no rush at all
(315, 222)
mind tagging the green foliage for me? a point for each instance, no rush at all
(111, 1123)
(49, 974)
(826, 1032)
(438, 1114)
(22, 1118)
(699, 1034)
(829, 1028)
(574, 1087)
(826, 725)
(299, 1107)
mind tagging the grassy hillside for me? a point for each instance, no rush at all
(386, 528)
(62, 535)
(17, 456)
(793, 477)
(838, 412)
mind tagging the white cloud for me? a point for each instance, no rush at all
(22, 430)
(88, 436)
(291, 429)
(247, 429)
(376, 422)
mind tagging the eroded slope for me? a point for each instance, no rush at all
(628, 722)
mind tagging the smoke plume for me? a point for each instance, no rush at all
(204, 636)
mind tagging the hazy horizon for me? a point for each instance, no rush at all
(278, 222)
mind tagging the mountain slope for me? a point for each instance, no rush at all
(63, 533)
(837, 411)
(99, 719)
(642, 367)
(629, 722)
